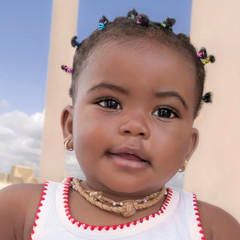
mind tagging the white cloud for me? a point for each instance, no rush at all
(20, 139)
(4, 104)
(5, 133)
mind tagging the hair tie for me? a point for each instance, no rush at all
(202, 54)
(132, 14)
(102, 23)
(207, 97)
(74, 42)
(143, 21)
(168, 23)
(66, 68)
(211, 59)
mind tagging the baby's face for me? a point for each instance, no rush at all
(133, 116)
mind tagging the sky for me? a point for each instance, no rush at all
(25, 28)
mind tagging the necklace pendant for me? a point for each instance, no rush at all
(128, 210)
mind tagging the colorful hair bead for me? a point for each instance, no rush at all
(74, 42)
(207, 97)
(66, 68)
(168, 23)
(202, 53)
(143, 21)
(211, 59)
(101, 26)
(102, 23)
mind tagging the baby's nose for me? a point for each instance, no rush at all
(135, 126)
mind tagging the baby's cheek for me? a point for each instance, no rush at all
(169, 148)
(91, 136)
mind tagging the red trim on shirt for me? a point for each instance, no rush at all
(198, 217)
(39, 207)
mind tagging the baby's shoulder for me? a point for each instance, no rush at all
(217, 223)
(18, 207)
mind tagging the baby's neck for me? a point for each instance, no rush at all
(116, 196)
(85, 212)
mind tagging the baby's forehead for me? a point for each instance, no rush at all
(144, 44)
(145, 66)
(144, 51)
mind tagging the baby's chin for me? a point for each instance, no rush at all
(129, 189)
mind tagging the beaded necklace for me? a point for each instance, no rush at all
(127, 207)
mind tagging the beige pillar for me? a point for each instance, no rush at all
(64, 26)
(213, 172)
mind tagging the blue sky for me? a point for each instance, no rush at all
(25, 33)
(25, 28)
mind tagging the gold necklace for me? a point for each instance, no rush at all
(127, 207)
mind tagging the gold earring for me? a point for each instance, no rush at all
(184, 167)
(66, 142)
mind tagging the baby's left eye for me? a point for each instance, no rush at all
(165, 113)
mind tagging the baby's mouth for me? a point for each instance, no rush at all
(130, 155)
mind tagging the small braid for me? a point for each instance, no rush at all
(138, 26)
(207, 97)
(132, 14)
(143, 20)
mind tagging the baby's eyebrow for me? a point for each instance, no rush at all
(161, 94)
(158, 94)
(109, 86)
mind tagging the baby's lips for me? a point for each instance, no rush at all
(131, 151)
(129, 156)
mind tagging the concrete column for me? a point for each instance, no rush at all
(64, 27)
(213, 173)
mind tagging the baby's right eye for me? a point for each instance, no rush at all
(109, 103)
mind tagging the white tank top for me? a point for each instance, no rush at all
(177, 219)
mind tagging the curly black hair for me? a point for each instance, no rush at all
(138, 26)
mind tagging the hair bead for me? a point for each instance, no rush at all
(66, 69)
(143, 20)
(202, 53)
(211, 59)
(207, 97)
(74, 42)
(168, 23)
(102, 23)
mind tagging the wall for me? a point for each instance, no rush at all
(213, 173)
(64, 27)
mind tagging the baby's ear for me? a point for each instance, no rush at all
(67, 121)
(193, 143)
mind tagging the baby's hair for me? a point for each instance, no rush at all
(207, 97)
(74, 42)
(138, 26)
